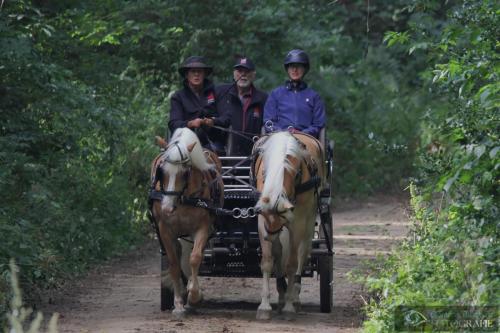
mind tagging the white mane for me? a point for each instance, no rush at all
(177, 150)
(276, 148)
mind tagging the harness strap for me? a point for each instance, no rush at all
(155, 195)
(189, 201)
(154, 224)
(310, 184)
(180, 152)
(245, 135)
(198, 202)
(269, 232)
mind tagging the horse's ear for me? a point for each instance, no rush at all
(161, 142)
(191, 146)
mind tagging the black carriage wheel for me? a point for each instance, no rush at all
(326, 228)
(325, 271)
(325, 264)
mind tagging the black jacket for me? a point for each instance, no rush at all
(186, 106)
(230, 109)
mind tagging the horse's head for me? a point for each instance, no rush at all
(182, 155)
(277, 176)
(175, 167)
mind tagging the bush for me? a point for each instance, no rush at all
(454, 258)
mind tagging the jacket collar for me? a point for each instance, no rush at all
(295, 86)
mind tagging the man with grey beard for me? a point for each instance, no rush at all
(241, 105)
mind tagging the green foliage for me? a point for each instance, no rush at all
(454, 260)
(74, 151)
(19, 315)
(84, 88)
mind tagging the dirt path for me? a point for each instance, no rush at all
(123, 295)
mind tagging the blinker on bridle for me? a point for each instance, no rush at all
(184, 160)
(184, 156)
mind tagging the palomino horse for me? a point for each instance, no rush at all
(289, 173)
(187, 184)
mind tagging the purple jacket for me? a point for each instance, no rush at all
(297, 106)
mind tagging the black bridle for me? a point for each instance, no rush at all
(186, 174)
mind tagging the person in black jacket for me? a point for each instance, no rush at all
(194, 106)
(241, 105)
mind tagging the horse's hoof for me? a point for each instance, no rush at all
(289, 311)
(190, 309)
(263, 314)
(195, 301)
(179, 314)
(289, 315)
(280, 307)
(297, 306)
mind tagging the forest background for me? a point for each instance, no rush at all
(411, 89)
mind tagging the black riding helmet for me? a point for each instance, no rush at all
(297, 57)
(195, 62)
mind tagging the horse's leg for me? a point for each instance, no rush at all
(266, 266)
(200, 240)
(170, 244)
(280, 255)
(302, 256)
(291, 269)
(302, 240)
(186, 249)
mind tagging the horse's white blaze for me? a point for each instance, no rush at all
(168, 201)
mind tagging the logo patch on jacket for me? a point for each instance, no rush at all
(256, 112)
(210, 98)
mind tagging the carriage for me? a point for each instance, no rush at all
(233, 249)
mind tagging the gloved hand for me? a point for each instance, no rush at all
(208, 122)
(195, 123)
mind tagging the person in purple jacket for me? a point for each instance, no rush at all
(295, 107)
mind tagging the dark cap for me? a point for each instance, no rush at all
(195, 62)
(245, 63)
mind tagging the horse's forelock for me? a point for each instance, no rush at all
(186, 137)
(176, 153)
(275, 151)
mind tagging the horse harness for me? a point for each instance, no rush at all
(210, 179)
(300, 187)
